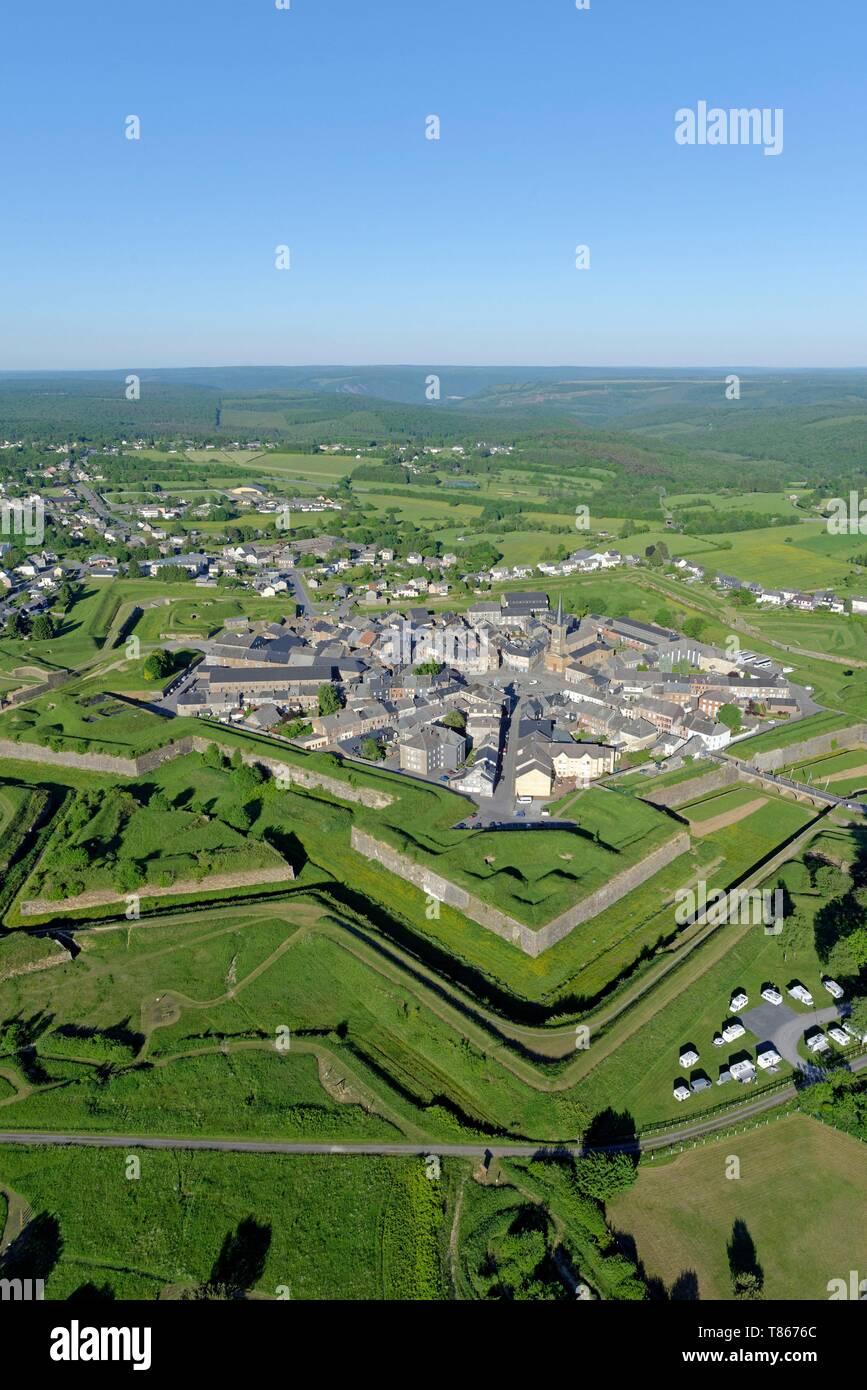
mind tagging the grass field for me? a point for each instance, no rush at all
(802, 1195)
(786, 734)
(722, 804)
(536, 877)
(326, 1228)
(831, 772)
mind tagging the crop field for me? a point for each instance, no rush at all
(803, 553)
(682, 1214)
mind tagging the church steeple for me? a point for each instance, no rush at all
(560, 611)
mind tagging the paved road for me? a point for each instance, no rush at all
(787, 1027)
(261, 1146)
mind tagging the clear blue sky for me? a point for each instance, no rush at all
(306, 127)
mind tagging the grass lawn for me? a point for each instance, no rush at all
(536, 876)
(722, 803)
(786, 734)
(831, 773)
(802, 1195)
(641, 782)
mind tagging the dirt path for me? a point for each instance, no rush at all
(699, 828)
(845, 774)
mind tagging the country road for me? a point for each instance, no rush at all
(264, 1146)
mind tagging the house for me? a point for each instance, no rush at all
(193, 564)
(533, 776)
(265, 717)
(360, 718)
(434, 749)
(481, 778)
(641, 636)
(582, 761)
(518, 608)
(522, 656)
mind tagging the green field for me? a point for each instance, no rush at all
(681, 1214)
(536, 877)
(722, 803)
(782, 737)
(829, 773)
(374, 1225)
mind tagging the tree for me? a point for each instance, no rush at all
(455, 719)
(128, 876)
(158, 665)
(212, 756)
(43, 628)
(604, 1175)
(372, 750)
(747, 1285)
(859, 1014)
(329, 700)
(694, 627)
(17, 625)
(657, 555)
(730, 715)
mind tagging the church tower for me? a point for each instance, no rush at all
(557, 654)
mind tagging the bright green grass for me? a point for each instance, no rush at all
(537, 875)
(328, 1220)
(828, 722)
(721, 804)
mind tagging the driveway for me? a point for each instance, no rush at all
(785, 1027)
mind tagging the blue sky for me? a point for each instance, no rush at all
(306, 127)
